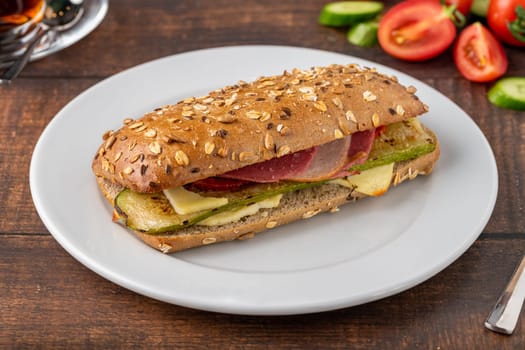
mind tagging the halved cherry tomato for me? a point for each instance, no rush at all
(463, 6)
(416, 30)
(507, 21)
(478, 55)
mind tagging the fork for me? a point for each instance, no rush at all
(505, 314)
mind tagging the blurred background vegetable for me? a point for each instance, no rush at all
(347, 13)
(480, 7)
(509, 93)
(416, 30)
(363, 34)
(419, 30)
(478, 54)
(506, 18)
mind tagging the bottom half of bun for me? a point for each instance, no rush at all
(297, 205)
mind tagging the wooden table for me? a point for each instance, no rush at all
(49, 300)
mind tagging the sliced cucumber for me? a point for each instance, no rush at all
(347, 13)
(399, 142)
(508, 93)
(363, 34)
(480, 7)
(151, 213)
(147, 211)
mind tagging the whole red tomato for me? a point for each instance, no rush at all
(478, 54)
(416, 30)
(506, 18)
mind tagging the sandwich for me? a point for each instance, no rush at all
(256, 155)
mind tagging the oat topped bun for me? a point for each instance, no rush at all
(248, 123)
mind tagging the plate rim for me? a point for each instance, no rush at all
(236, 308)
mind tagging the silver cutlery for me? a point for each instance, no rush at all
(60, 15)
(505, 314)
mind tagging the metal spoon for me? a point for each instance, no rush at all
(60, 15)
(505, 314)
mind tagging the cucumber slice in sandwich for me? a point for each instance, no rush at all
(152, 213)
(347, 13)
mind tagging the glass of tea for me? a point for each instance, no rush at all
(18, 17)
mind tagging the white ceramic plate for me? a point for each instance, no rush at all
(369, 250)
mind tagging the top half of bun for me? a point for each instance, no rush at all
(248, 123)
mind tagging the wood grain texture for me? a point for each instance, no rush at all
(49, 300)
(153, 29)
(67, 306)
(25, 109)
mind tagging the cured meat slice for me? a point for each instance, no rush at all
(333, 159)
(330, 159)
(319, 163)
(274, 169)
(359, 150)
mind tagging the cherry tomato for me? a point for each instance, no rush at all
(507, 21)
(478, 55)
(416, 30)
(463, 6)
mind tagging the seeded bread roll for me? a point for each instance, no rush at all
(249, 123)
(297, 205)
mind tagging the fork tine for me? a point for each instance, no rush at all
(11, 49)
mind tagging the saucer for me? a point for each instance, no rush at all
(94, 13)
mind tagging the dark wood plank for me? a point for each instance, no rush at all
(50, 300)
(149, 30)
(26, 108)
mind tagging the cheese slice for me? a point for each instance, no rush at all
(372, 182)
(187, 202)
(237, 214)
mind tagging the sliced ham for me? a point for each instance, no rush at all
(329, 160)
(359, 150)
(275, 169)
(332, 160)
